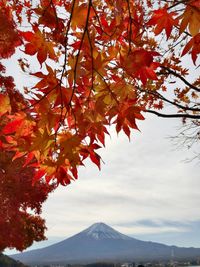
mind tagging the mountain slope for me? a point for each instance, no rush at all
(101, 242)
(6, 261)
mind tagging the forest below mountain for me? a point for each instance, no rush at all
(6, 261)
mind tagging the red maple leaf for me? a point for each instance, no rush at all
(163, 20)
(194, 46)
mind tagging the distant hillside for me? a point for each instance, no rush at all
(6, 261)
(101, 243)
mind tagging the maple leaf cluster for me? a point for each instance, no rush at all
(100, 63)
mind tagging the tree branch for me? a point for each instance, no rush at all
(189, 116)
(158, 95)
(79, 50)
(180, 77)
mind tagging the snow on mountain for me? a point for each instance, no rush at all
(103, 231)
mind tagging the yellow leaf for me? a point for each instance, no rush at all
(4, 104)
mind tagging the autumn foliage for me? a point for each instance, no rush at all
(96, 63)
(21, 203)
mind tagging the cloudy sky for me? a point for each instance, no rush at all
(145, 189)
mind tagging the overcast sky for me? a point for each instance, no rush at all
(145, 189)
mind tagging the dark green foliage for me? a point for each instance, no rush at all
(6, 261)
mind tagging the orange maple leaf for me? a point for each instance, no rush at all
(38, 44)
(191, 17)
(194, 45)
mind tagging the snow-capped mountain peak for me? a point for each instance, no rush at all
(103, 243)
(102, 231)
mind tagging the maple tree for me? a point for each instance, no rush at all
(99, 63)
(21, 203)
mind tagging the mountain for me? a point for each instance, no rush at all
(6, 261)
(100, 242)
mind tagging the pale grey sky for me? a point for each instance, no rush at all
(143, 188)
